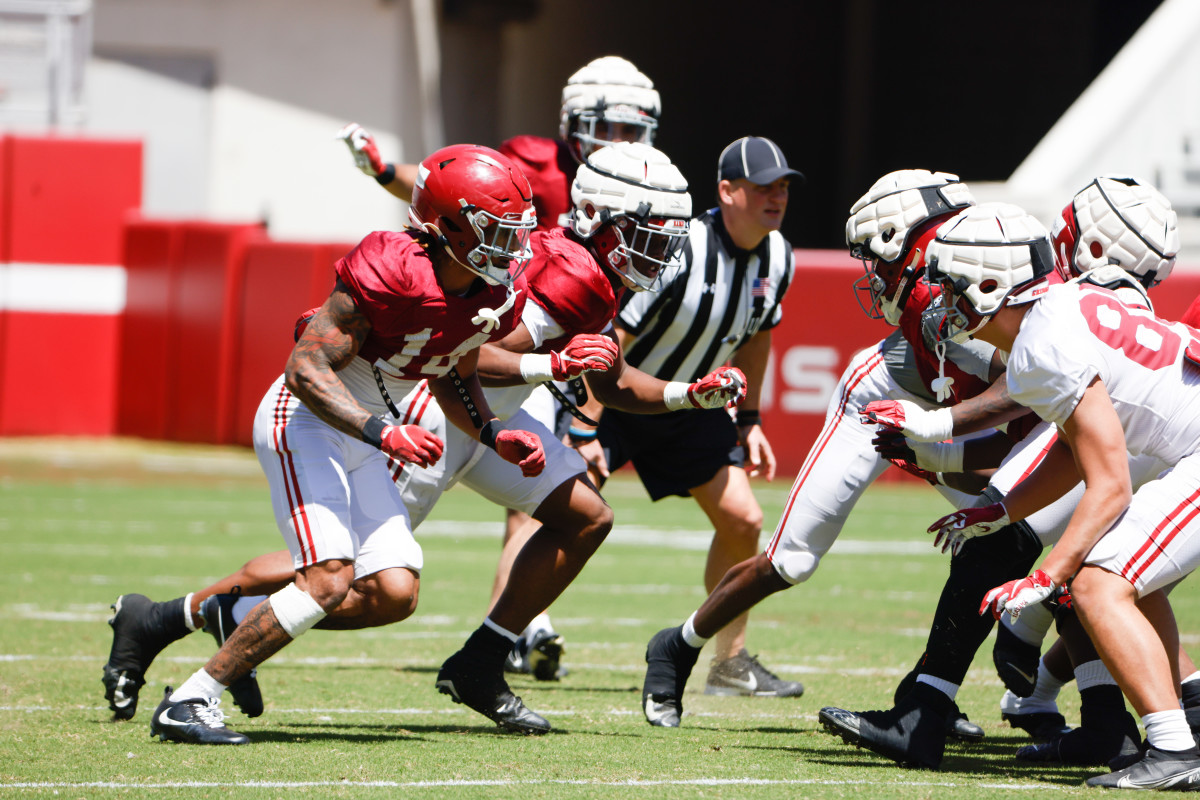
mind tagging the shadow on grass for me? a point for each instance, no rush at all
(987, 761)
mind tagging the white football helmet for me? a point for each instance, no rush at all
(631, 206)
(989, 255)
(608, 91)
(1121, 221)
(888, 228)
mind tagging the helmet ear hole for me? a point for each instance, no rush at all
(1096, 248)
(988, 286)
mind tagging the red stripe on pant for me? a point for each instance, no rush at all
(814, 454)
(1037, 460)
(412, 416)
(1171, 526)
(291, 483)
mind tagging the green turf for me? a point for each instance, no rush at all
(355, 714)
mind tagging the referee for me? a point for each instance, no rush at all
(718, 308)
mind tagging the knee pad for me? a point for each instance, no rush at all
(796, 567)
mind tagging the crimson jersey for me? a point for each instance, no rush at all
(417, 328)
(965, 385)
(576, 291)
(1192, 315)
(550, 168)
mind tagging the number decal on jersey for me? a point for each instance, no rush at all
(1141, 336)
(408, 359)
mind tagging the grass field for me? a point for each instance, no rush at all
(356, 714)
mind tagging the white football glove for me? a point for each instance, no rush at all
(953, 530)
(1016, 595)
(725, 386)
(363, 148)
(915, 422)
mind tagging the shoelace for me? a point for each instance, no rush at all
(754, 664)
(209, 712)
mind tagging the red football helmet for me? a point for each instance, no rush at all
(479, 206)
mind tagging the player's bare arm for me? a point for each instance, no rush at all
(461, 397)
(1097, 440)
(989, 408)
(333, 337)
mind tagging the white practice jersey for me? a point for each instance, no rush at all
(1078, 332)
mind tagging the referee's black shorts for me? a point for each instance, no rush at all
(672, 452)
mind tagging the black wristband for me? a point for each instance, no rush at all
(747, 417)
(387, 176)
(373, 432)
(487, 434)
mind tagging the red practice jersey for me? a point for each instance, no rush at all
(548, 165)
(965, 384)
(417, 328)
(1192, 315)
(566, 280)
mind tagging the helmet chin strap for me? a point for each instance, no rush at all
(941, 384)
(490, 318)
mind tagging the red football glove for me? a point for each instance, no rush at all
(523, 449)
(363, 148)
(1014, 596)
(721, 387)
(587, 352)
(411, 444)
(913, 421)
(967, 524)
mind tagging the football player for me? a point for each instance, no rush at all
(608, 100)
(1118, 233)
(630, 230)
(406, 307)
(889, 228)
(1116, 381)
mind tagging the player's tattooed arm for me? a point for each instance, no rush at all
(333, 337)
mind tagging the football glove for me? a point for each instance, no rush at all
(587, 352)
(723, 387)
(411, 444)
(910, 419)
(1016, 595)
(363, 148)
(953, 530)
(523, 449)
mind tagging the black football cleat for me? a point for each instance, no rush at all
(217, 611)
(195, 721)
(960, 728)
(913, 734)
(1158, 769)
(489, 695)
(669, 663)
(139, 634)
(1016, 662)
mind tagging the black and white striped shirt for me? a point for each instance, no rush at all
(715, 302)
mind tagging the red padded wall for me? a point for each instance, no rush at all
(205, 311)
(5, 201)
(62, 203)
(59, 370)
(69, 198)
(281, 280)
(151, 258)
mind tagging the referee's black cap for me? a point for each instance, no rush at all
(755, 158)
